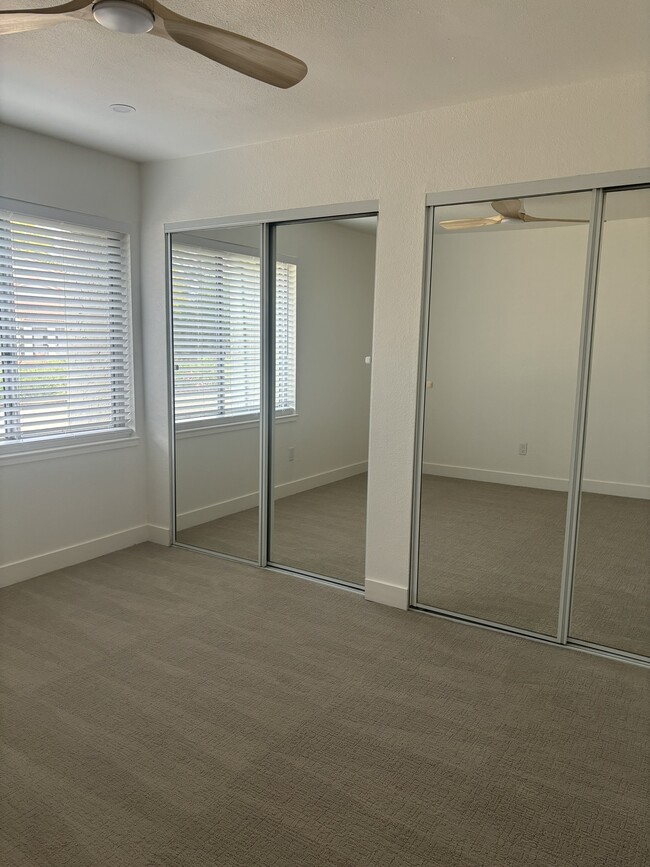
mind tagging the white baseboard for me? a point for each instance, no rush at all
(21, 570)
(499, 477)
(386, 594)
(316, 481)
(616, 489)
(194, 517)
(547, 483)
(160, 535)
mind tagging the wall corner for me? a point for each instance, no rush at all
(385, 593)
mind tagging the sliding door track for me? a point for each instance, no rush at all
(571, 643)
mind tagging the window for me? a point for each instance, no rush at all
(216, 307)
(65, 354)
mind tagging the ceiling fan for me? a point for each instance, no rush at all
(508, 211)
(137, 16)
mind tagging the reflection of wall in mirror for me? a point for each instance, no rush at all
(505, 318)
(217, 474)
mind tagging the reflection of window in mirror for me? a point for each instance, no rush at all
(216, 307)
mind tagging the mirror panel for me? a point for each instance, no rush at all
(215, 281)
(503, 345)
(611, 595)
(324, 312)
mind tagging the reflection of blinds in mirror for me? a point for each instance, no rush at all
(285, 337)
(216, 307)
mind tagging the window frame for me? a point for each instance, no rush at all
(61, 444)
(215, 424)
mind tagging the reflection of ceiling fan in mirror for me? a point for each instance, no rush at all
(149, 16)
(508, 211)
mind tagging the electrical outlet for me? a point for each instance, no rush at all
(523, 448)
(292, 453)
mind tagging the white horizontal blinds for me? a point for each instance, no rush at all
(285, 337)
(216, 307)
(65, 358)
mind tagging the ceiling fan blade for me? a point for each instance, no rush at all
(528, 219)
(230, 49)
(18, 21)
(469, 224)
(510, 208)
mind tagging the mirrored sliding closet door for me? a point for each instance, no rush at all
(502, 354)
(216, 349)
(323, 309)
(611, 594)
(271, 345)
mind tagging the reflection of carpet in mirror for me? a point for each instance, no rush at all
(487, 550)
(235, 534)
(492, 551)
(322, 530)
(495, 552)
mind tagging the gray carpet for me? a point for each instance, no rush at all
(489, 551)
(166, 709)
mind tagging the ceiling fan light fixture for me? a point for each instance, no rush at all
(239, 53)
(123, 16)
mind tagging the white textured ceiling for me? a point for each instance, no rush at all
(367, 59)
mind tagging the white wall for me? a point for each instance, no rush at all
(503, 348)
(618, 427)
(597, 126)
(81, 504)
(564, 131)
(217, 474)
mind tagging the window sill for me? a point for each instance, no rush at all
(58, 451)
(220, 427)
